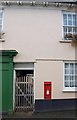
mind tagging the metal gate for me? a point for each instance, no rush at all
(24, 95)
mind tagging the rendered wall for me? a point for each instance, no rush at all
(35, 33)
(50, 71)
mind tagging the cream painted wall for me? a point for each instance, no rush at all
(1, 46)
(50, 71)
(35, 33)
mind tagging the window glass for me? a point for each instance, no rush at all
(69, 19)
(65, 19)
(69, 25)
(1, 20)
(66, 65)
(69, 29)
(70, 75)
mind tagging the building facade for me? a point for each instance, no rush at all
(38, 55)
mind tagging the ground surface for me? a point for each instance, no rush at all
(0, 117)
(57, 114)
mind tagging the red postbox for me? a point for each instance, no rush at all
(47, 90)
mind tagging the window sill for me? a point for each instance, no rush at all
(65, 41)
(69, 90)
(2, 40)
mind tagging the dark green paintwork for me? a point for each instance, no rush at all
(0, 84)
(6, 80)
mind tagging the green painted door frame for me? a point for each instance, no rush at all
(6, 80)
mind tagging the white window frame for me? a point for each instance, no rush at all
(68, 89)
(65, 12)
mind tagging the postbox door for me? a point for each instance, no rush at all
(47, 90)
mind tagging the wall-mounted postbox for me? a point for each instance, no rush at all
(47, 90)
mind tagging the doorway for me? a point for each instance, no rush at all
(24, 90)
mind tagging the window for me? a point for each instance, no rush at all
(69, 25)
(70, 76)
(1, 20)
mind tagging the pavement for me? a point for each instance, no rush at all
(54, 114)
(0, 116)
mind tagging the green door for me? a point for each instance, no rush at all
(6, 80)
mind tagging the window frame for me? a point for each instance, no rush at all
(67, 89)
(66, 12)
